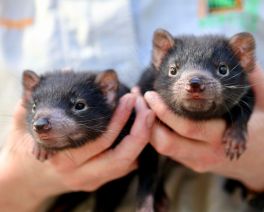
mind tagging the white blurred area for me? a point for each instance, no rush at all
(83, 35)
(97, 34)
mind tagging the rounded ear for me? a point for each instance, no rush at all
(29, 80)
(162, 42)
(108, 83)
(243, 45)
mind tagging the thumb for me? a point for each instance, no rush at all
(19, 116)
(256, 80)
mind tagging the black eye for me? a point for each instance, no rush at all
(34, 107)
(173, 70)
(80, 105)
(223, 70)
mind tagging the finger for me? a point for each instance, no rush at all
(139, 135)
(200, 156)
(79, 155)
(256, 79)
(98, 177)
(209, 131)
(125, 153)
(136, 90)
(121, 116)
(19, 116)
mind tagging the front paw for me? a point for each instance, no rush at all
(41, 153)
(235, 142)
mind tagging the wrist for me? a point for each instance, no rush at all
(17, 192)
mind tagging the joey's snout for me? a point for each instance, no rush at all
(197, 91)
(195, 85)
(42, 125)
(53, 128)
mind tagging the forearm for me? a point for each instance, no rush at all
(17, 199)
(28, 184)
(17, 192)
(20, 200)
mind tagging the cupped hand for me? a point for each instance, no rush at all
(198, 144)
(81, 169)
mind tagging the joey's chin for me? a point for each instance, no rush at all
(50, 142)
(198, 105)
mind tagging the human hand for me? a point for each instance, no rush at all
(26, 183)
(198, 144)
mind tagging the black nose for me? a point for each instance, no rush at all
(41, 125)
(195, 85)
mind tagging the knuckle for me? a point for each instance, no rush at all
(206, 163)
(123, 161)
(91, 188)
(162, 111)
(200, 167)
(63, 167)
(141, 138)
(122, 167)
(105, 142)
(75, 184)
(163, 148)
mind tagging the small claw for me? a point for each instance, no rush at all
(234, 143)
(232, 156)
(227, 152)
(238, 155)
(42, 154)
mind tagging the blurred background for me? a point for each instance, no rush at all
(101, 34)
(46, 35)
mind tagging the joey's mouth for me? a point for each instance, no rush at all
(198, 104)
(60, 142)
(52, 141)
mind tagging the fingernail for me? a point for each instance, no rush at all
(150, 95)
(136, 90)
(150, 120)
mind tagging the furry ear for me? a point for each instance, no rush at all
(243, 45)
(109, 84)
(29, 80)
(162, 42)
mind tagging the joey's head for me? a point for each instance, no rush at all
(67, 109)
(205, 76)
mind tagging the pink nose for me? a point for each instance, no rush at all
(41, 125)
(195, 85)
